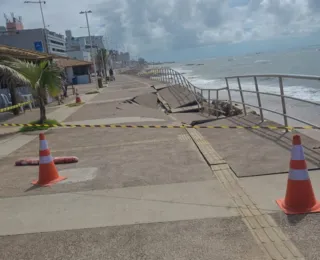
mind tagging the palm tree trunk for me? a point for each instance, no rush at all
(43, 116)
(12, 91)
(42, 106)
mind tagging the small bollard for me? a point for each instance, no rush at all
(100, 85)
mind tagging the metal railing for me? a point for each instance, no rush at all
(283, 98)
(173, 77)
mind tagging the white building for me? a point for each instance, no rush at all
(79, 55)
(83, 43)
(56, 43)
(36, 39)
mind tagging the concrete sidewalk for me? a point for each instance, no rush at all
(135, 193)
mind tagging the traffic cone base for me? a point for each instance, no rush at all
(37, 182)
(299, 198)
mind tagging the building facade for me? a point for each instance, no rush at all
(79, 55)
(36, 39)
(56, 43)
(83, 43)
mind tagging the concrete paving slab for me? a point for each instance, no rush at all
(191, 116)
(111, 94)
(24, 118)
(142, 81)
(116, 120)
(110, 100)
(264, 190)
(159, 86)
(185, 109)
(147, 100)
(6, 132)
(177, 96)
(11, 144)
(205, 239)
(78, 175)
(115, 109)
(56, 212)
(303, 230)
(124, 157)
(261, 151)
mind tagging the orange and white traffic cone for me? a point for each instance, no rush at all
(48, 173)
(78, 99)
(300, 198)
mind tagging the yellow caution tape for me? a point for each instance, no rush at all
(169, 126)
(15, 106)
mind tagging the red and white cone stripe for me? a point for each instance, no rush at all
(45, 156)
(298, 166)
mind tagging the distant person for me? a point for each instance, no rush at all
(111, 74)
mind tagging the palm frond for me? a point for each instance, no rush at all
(29, 70)
(11, 77)
(51, 78)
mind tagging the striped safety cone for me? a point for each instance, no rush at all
(300, 198)
(48, 173)
(78, 99)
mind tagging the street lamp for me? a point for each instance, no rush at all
(92, 57)
(97, 48)
(44, 24)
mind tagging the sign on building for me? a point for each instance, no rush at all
(38, 46)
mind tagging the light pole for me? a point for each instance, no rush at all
(92, 57)
(44, 24)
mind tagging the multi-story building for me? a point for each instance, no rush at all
(41, 40)
(83, 43)
(36, 39)
(79, 55)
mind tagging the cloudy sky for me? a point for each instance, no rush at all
(164, 27)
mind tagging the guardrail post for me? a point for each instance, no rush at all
(162, 76)
(229, 93)
(209, 102)
(201, 93)
(258, 97)
(167, 75)
(186, 82)
(242, 98)
(217, 100)
(175, 78)
(283, 102)
(179, 79)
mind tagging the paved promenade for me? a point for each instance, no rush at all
(142, 194)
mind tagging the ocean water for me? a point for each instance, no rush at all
(210, 73)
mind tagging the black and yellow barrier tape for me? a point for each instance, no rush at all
(15, 106)
(168, 126)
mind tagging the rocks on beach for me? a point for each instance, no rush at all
(224, 108)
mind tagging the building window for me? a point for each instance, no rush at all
(58, 50)
(58, 43)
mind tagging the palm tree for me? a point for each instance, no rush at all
(12, 79)
(101, 59)
(43, 76)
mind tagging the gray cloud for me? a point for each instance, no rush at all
(144, 25)
(188, 23)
